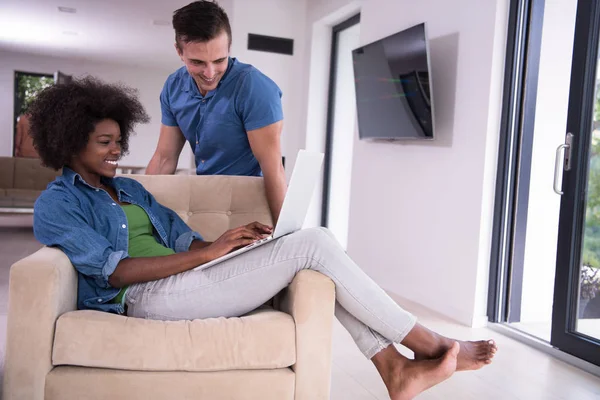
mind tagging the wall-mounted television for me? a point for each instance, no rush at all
(393, 87)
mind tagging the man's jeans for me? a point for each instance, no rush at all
(243, 283)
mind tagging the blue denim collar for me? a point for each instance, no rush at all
(72, 177)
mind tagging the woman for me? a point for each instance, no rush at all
(136, 257)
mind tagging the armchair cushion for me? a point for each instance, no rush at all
(74, 383)
(263, 339)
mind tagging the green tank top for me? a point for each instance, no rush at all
(141, 241)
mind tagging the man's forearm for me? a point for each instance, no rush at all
(275, 187)
(161, 166)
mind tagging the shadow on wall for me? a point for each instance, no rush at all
(443, 52)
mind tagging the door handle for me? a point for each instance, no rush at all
(557, 167)
(562, 161)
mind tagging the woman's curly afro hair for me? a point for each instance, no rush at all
(63, 116)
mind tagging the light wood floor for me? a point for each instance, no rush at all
(518, 372)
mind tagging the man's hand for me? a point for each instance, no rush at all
(238, 237)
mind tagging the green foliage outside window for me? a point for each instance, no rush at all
(591, 243)
(28, 86)
(590, 270)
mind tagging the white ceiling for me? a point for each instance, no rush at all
(114, 31)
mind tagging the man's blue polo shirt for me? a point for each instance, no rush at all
(215, 125)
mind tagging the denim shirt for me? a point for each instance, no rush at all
(91, 229)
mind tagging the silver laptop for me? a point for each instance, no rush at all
(295, 205)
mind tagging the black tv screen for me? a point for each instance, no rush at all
(393, 87)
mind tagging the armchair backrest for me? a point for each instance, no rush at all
(210, 205)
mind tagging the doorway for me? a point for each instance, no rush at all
(341, 129)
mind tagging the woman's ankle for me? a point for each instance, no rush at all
(386, 357)
(425, 342)
(388, 362)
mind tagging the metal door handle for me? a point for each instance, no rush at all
(557, 166)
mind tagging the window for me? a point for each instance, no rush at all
(27, 86)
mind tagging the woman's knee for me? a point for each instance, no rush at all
(311, 239)
(327, 232)
(318, 236)
(317, 233)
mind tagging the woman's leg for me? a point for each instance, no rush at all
(368, 341)
(425, 343)
(238, 286)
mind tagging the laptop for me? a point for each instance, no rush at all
(295, 204)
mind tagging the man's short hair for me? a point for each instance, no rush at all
(200, 21)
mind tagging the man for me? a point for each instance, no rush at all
(229, 112)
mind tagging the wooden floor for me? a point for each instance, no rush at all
(518, 372)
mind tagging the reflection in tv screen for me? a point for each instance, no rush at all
(392, 83)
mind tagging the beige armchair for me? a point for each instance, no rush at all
(57, 352)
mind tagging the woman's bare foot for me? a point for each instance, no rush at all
(406, 378)
(428, 345)
(472, 355)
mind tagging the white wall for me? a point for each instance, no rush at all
(280, 18)
(148, 81)
(420, 213)
(550, 127)
(283, 18)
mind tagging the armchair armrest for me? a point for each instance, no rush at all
(42, 287)
(310, 300)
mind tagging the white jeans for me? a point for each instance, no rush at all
(243, 283)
